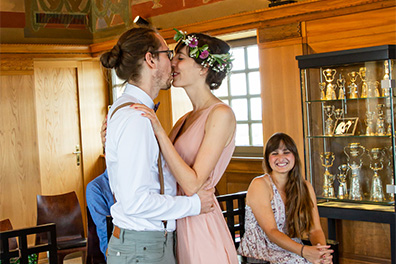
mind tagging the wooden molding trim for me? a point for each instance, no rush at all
(45, 50)
(12, 66)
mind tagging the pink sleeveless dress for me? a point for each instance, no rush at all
(203, 239)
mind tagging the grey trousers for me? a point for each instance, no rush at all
(146, 247)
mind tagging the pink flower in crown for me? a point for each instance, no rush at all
(204, 54)
(193, 42)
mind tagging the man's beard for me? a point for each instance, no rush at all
(164, 84)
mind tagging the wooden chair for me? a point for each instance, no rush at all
(63, 210)
(234, 213)
(9, 248)
(94, 254)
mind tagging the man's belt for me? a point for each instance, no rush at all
(116, 232)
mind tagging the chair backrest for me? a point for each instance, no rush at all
(23, 252)
(63, 210)
(234, 213)
(94, 254)
(5, 225)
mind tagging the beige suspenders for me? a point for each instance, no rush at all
(160, 173)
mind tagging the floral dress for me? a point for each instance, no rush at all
(255, 243)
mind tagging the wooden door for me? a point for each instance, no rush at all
(58, 128)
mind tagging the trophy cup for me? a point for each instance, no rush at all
(338, 113)
(386, 70)
(354, 152)
(385, 91)
(329, 123)
(341, 88)
(353, 92)
(376, 156)
(322, 86)
(327, 159)
(369, 123)
(342, 187)
(389, 155)
(362, 74)
(330, 88)
(380, 121)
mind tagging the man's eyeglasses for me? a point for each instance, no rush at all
(169, 53)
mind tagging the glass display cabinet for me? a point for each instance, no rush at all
(348, 100)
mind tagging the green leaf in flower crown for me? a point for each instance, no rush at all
(179, 35)
(194, 52)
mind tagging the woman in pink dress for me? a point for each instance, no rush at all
(200, 145)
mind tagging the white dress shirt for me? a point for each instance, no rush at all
(132, 165)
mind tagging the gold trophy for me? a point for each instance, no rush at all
(353, 89)
(354, 152)
(342, 187)
(380, 121)
(329, 123)
(385, 91)
(330, 88)
(327, 159)
(362, 74)
(370, 131)
(373, 89)
(341, 88)
(322, 86)
(376, 156)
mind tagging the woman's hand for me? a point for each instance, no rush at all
(150, 114)
(319, 254)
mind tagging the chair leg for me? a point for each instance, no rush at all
(60, 258)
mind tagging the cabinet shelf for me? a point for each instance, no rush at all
(354, 136)
(347, 99)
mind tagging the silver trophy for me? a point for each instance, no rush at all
(380, 121)
(342, 177)
(341, 88)
(327, 159)
(329, 123)
(370, 130)
(376, 156)
(330, 88)
(322, 86)
(390, 178)
(354, 152)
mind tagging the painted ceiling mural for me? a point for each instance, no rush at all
(83, 21)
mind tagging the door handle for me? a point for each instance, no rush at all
(78, 154)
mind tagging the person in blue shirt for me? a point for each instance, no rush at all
(99, 201)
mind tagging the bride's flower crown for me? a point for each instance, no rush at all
(218, 62)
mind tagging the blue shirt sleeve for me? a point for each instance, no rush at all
(99, 201)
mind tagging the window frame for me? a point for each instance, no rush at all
(244, 151)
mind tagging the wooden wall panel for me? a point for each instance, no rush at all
(280, 91)
(239, 174)
(19, 163)
(371, 28)
(373, 245)
(93, 99)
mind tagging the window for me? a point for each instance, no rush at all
(242, 91)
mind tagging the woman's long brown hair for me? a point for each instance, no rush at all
(298, 205)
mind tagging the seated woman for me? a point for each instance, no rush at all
(281, 209)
